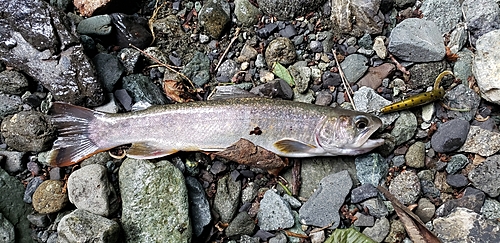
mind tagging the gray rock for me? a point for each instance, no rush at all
(277, 88)
(429, 189)
(129, 58)
(110, 107)
(142, 89)
(289, 31)
(364, 220)
(28, 131)
(423, 75)
(246, 13)
(13, 161)
(450, 136)
(463, 66)
(242, 224)
(371, 168)
(491, 209)
(89, 189)
(292, 201)
(379, 230)
(31, 188)
(425, 210)
(39, 220)
(326, 201)
(7, 233)
(199, 208)
(247, 53)
(307, 97)
(324, 98)
(286, 9)
(279, 238)
(316, 46)
(482, 17)
(465, 224)
(274, 213)
(456, 163)
(227, 70)
(472, 199)
(12, 82)
(148, 213)
(457, 180)
(354, 67)
(367, 100)
(297, 229)
(486, 176)
(363, 192)
(248, 239)
(109, 70)
(406, 187)
(369, 18)
(458, 38)
(227, 198)
(396, 233)
(301, 76)
(280, 50)
(198, 69)
(9, 104)
(415, 156)
(95, 25)
(444, 13)
(462, 97)
(485, 66)
(481, 141)
(404, 127)
(417, 40)
(83, 226)
(249, 192)
(214, 18)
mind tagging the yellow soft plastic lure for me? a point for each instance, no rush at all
(436, 93)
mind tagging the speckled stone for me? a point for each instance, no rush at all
(49, 197)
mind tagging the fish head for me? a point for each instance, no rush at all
(348, 134)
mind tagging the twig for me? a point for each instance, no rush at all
(153, 18)
(347, 88)
(227, 49)
(398, 65)
(171, 68)
(322, 228)
(296, 180)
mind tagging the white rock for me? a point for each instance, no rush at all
(486, 67)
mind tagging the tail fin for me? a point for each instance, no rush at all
(73, 143)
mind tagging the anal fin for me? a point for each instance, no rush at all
(148, 150)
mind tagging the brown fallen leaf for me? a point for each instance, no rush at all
(176, 91)
(415, 228)
(451, 57)
(246, 153)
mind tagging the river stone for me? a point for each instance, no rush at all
(481, 141)
(109, 70)
(198, 69)
(415, 156)
(199, 208)
(482, 17)
(13, 161)
(288, 9)
(28, 131)
(491, 209)
(274, 212)
(84, 226)
(406, 187)
(425, 210)
(486, 67)
(242, 224)
(142, 89)
(379, 230)
(369, 18)
(404, 127)
(462, 97)
(462, 69)
(371, 168)
(9, 104)
(246, 13)
(7, 234)
(354, 67)
(95, 25)
(154, 202)
(446, 14)
(227, 198)
(463, 224)
(213, 18)
(486, 176)
(450, 136)
(12, 82)
(50, 197)
(280, 50)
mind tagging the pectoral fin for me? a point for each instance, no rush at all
(288, 146)
(147, 150)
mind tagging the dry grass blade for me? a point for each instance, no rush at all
(236, 34)
(347, 87)
(153, 18)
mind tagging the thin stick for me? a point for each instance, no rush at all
(171, 68)
(227, 49)
(153, 18)
(347, 88)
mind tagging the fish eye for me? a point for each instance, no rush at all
(361, 122)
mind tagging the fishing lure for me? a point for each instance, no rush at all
(436, 93)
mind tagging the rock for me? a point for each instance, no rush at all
(301, 76)
(227, 198)
(279, 238)
(297, 229)
(415, 156)
(317, 237)
(417, 40)
(12, 82)
(354, 67)
(367, 100)
(369, 18)
(129, 58)
(277, 88)
(481, 141)
(404, 127)
(142, 89)
(472, 199)
(429, 189)
(483, 17)
(456, 163)
(379, 230)
(246, 13)
(363, 192)
(280, 50)
(147, 211)
(485, 66)
(425, 210)
(307, 97)
(462, 97)
(39, 220)
(457, 180)
(109, 70)
(131, 30)
(28, 131)
(292, 201)
(9, 104)
(7, 233)
(463, 66)
(324, 98)
(83, 226)
(316, 46)
(289, 31)
(95, 25)
(199, 208)
(242, 224)
(465, 224)
(379, 47)
(446, 14)
(486, 176)
(491, 209)
(450, 136)
(198, 69)
(376, 207)
(371, 168)
(247, 53)
(406, 187)
(248, 239)
(214, 18)
(13, 161)
(33, 184)
(423, 75)
(396, 233)
(266, 31)
(110, 107)
(373, 78)
(330, 79)
(274, 213)
(50, 197)
(287, 10)
(364, 220)
(458, 38)
(227, 70)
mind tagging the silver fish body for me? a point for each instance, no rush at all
(287, 128)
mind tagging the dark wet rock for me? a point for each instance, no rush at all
(9, 104)
(124, 98)
(417, 40)
(129, 58)
(369, 18)
(289, 31)
(96, 25)
(28, 131)
(445, 14)
(109, 70)
(275, 89)
(198, 69)
(484, 64)
(142, 89)
(326, 201)
(379, 230)
(7, 231)
(267, 30)
(483, 17)
(472, 199)
(242, 224)
(286, 9)
(456, 163)
(199, 208)
(227, 70)
(330, 79)
(406, 187)
(486, 176)
(227, 198)
(415, 156)
(31, 188)
(373, 78)
(214, 18)
(39, 220)
(364, 220)
(404, 127)
(147, 211)
(465, 224)
(354, 67)
(363, 192)
(246, 13)
(280, 50)
(457, 180)
(131, 30)
(423, 75)
(12, 82)
(367, 100)
(429, 189)
(462, 97)
(481, 141)
(425, 210)
(274, 213)
(50, 197)
(450, 136)
(301, 76)
(13, 161)
(83, 226)
(13, 208)
(371, 168)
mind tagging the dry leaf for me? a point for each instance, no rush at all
(451, 57)
(246, 153)
(478, 159)
(175, 91)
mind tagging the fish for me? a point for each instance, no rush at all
(287, 128)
